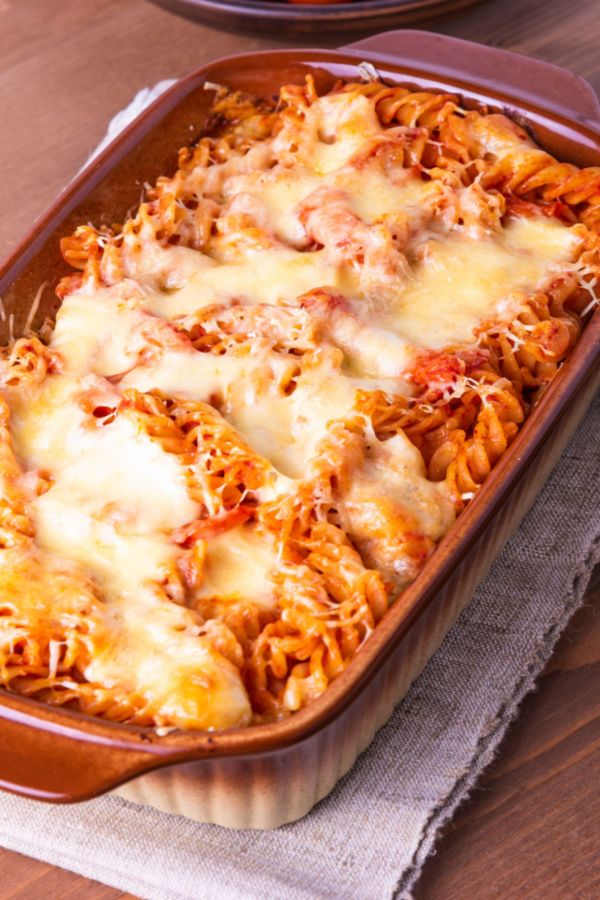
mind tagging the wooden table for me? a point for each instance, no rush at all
(532, 828)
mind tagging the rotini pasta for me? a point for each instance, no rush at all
(269, 392)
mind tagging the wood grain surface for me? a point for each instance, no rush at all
(532, 828)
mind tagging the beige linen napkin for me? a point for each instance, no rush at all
(367, 840)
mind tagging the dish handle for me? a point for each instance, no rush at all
(532, 80)
(44, 760)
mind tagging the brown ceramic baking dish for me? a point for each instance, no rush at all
(265, 775)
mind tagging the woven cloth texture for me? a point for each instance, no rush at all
(369, 839)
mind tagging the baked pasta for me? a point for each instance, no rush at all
(268, 394)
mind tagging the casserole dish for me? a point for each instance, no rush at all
(270, 774)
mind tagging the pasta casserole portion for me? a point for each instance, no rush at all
(268, 394)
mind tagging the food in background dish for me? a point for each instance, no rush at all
(315, 2)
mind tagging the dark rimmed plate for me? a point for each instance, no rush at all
(269, 774)
(292, 20)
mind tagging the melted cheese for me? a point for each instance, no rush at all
(278, 192)
(373, 195)
(391, 498)
(273, 276)
(239, 565)
(114, 499)
(456, 281)
(498, 135)
(397, 466)
(104, 471)
(158, 651)
(115, 494)
(191, 376)
(94, 334)
(460, 283)
(419, 278)
(334, 129)
(284, 429)
(288, 429)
